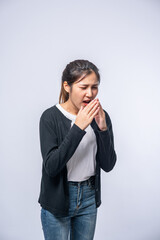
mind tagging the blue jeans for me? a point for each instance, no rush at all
(81, 220)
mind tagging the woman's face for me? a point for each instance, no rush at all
(83, 90)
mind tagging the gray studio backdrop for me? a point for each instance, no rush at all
(38, 39)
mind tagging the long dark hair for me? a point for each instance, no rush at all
(73, 71)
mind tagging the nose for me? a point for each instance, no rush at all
(89, 92)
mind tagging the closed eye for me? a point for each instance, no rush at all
(92, 87)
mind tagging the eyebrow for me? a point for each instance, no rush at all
(88, 84)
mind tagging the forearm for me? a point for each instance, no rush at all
(55, 157)
(107, 155)
(105, 140)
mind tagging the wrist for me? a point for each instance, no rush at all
(104, 129)
(78, 125)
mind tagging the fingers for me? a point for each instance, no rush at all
(81, 108)
(90, 105)
(94, 110)
(100, 105)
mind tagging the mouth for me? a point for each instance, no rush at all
(86, 102)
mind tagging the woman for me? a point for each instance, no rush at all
(76, 142)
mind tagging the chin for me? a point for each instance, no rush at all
(78, 107)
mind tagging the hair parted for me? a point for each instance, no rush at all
(73, 71)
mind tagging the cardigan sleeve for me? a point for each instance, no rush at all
(105, 140)
(55, 157)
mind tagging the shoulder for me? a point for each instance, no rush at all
(49, 113)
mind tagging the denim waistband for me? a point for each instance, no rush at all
(90, 181)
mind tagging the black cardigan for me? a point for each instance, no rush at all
(58, 143)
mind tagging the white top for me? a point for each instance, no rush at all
(82, 164)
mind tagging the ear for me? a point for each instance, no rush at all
(66, 86)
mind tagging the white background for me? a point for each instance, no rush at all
(38, 39)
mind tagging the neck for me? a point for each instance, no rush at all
(69, 107)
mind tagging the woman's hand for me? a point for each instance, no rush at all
(86, 114)
(100, 118)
